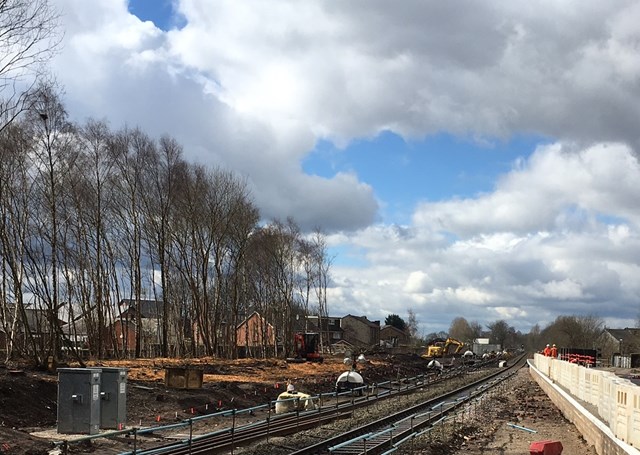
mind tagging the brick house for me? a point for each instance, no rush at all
(255, 337)
(392, 337)
(125, 335)
(330, 328)
(360, 331)
(125, 325)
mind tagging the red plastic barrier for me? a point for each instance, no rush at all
(545, 448)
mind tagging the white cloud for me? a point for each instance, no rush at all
(252, 85)
(557, 190)
(498, 265)
(351, 69)
(416, 282)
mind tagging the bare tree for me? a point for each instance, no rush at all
(88, 268)
(499, 332)
(28, 40)
(15, 146)
(274, 274)
(243, 220)
(322, 264)
(213, 216)
(130, 147)
(307, 278)
(159, 201)
(533, 339)
(461, 330)
(574, 331)
(476, 329)
(53, 159)
(412, 324)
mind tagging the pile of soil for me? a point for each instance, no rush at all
(27, 399)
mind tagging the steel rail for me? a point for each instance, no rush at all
(380, 435)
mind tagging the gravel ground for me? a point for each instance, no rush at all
(482, 430)
(522, 403)
(285, 445)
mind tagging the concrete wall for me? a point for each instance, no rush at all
(555, 378)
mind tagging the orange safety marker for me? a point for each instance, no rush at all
(158, 419)
(219, 403)
(192, 411)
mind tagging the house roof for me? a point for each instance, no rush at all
(150, 309)
(342, 343)
(77, 326)
(392, 328)
(364, 320)
(254, 313)
(36, 318)
(627, 335)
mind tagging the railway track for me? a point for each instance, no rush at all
(366, 439)
(385, 434)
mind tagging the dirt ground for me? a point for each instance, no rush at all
(28, 401)
(506, 423)
(527, 406)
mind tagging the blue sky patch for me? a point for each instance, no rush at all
(160, 12)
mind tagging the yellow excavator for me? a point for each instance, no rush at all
(439, 347)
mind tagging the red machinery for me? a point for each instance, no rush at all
(307, 347)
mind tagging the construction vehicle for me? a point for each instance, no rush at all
(439, 347)
(307, 347)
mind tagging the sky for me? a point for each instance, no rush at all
(474, 159)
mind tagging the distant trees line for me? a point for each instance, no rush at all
(575, 331)
(90, 216)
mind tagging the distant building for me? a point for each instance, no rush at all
(342, 347)
(35, 321)
(255, 337)
(618, 342)
(360, 331)
(393, 337)
(126, 327)
(330, 327)
(482, 346)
